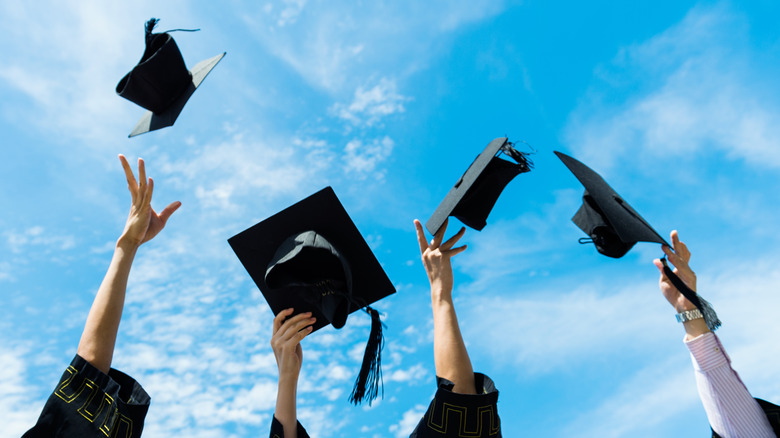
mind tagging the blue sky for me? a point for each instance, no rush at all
(676, 104)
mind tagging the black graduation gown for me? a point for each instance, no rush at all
(461, 415)
(772, 412)
(277, 431)
(89, 403)
(449, 414)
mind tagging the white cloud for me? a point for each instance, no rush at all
(697, 91)
(655, 394)
(330, 45)
(37, 236)
(415, 373)
(363, 159)
(369, 106)
(18, 402)
(408, 422)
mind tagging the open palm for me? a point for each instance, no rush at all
(143, 223)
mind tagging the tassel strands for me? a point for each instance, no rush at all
(369, 380)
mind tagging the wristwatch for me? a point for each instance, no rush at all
(689, 315)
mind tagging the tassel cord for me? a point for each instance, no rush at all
(706, 309)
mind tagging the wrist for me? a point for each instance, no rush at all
(288, 378)
(127, 243)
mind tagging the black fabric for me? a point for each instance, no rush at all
(475, 193)
(308, 268)
(772, 412)
(277, 430)
(462, 415)
(88, 403)
(476, 204)
(590, 219)
(159, 78)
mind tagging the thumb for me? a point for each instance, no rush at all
(168, 211)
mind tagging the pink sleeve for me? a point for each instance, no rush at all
(731, 410)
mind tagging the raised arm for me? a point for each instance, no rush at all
(449, 351)
(286, 343)
(679, 257)
(731, 410)
(143, 223)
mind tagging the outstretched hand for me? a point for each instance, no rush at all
(436, 256)
(143, 223)
(679, 256)
(286, 341)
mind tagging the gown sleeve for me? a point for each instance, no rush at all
(462, 415)
(277, 431)
(89, 403)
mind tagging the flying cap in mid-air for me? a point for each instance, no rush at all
(160, 82)
(473, 196)
(614, 227)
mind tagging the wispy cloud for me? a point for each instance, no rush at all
(371, 105)
(37, 237)
(697, 91)
(363, 160)
(408, 422)
(331, 45)
(17, 400)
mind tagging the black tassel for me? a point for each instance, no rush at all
(149, 27)
(522, 158)
(369, 381)
(710, 317)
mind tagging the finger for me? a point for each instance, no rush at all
(292, 331)
(437, 238)
(148, 195)
(280, 317)
(131, 182)
(675, 239)
(455, 251)
(301, 335)
(454, 239)
(421, 236)
(141, 175)
(168, 211)
(660, 265)
(684, 252)
(288, 327)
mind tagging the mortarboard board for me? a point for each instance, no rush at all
(472, 198)
(311, 257)
(160, 82)
(614, 227)
(611, 223)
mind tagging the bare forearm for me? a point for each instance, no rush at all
(100, 331)
(286, 406)
(449, 351)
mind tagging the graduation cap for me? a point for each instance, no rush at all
(614, 227)
(311, 257)
(476, 192)
(161, 82)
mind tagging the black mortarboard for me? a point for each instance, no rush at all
(610, 222)
(614, 227)
(161, 82)
(477, 191)
(311, 257)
